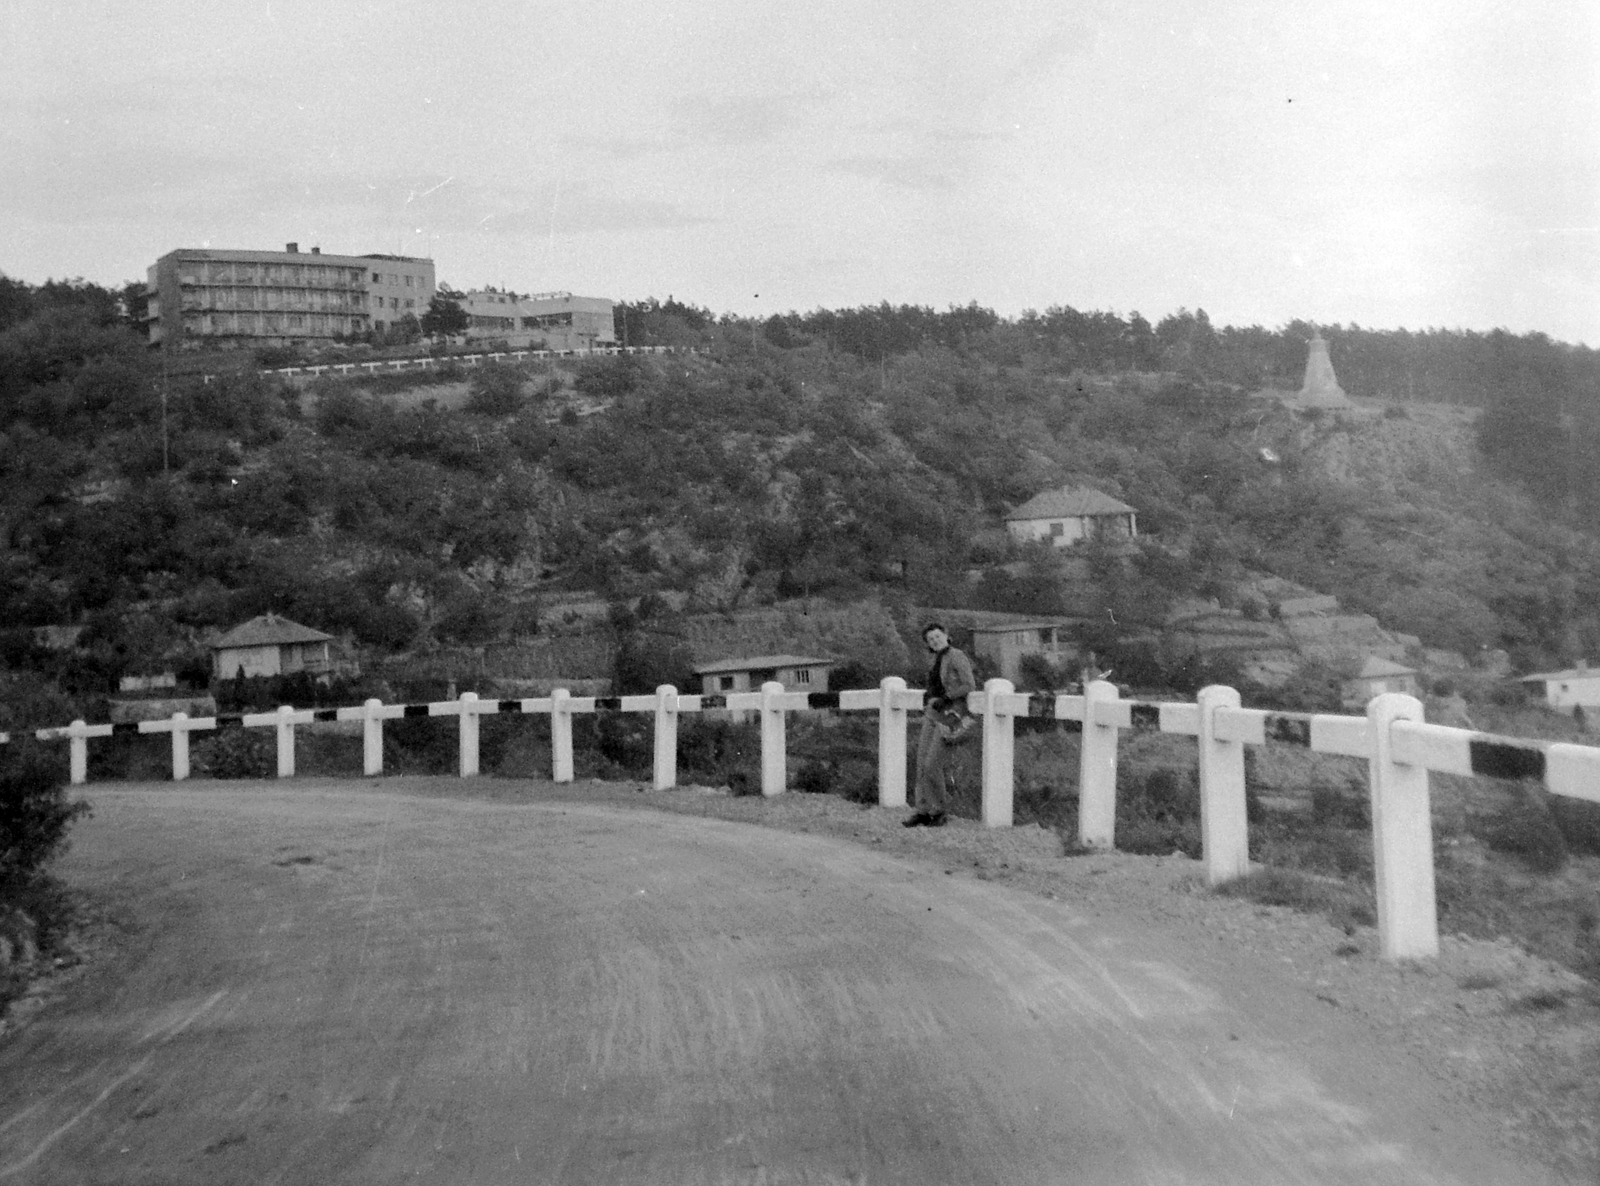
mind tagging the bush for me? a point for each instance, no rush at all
(1526, 828)
(1159, 814)
(35, 811)
(1340, 807)
(495, 390)
(1579, 824)
(236, 753)
(719, 753)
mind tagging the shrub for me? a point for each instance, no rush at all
(719, 753)
(35, 811)
(1526, 828)
(1158, 814)
(495, 390)
(1340, 807)
(1578, 822)
(236, 753)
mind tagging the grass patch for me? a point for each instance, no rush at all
(1346, 906)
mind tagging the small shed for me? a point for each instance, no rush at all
(270, 645)
(1072, 513)
(1374, 677)
(1564, 691)
(796, 673)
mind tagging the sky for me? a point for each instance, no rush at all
(1428, 164)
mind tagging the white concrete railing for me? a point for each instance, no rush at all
(426, 361)
(1398, 746)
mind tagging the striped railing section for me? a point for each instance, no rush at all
(1400, 749)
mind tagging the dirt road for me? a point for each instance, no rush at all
(335, 983)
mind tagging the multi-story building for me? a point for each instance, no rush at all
(557, 320)
(201, 298)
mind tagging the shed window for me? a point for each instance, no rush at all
(1057, 528)
(802, 675)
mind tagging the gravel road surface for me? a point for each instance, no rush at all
(329, 982)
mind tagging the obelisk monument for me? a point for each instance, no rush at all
(1320, 388)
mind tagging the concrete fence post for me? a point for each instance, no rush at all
(999, 751)
(891, 743)
(180, 747)
(372, 739)
(285, 728)
(78, 753)
(1402, 838)
(665, 766)
(1224, 825)
(1097, 770)
(469, 734)
(560, 735)
(774, 758)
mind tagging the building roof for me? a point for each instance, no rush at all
(268, 630)
(1584, 672)
(1069, 502)
(244, 255)
(760, 663)
(1024, 624)
(1375, 668)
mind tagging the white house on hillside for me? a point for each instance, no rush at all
(1576, 687)
(1373, 678)
(1070, 514)
(270, 645)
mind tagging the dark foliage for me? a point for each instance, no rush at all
(36, 810)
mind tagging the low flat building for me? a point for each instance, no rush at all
(1574, 688)
(545, 320)
(203, 298)
(796, 673)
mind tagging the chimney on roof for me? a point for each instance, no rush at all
(316, 251)
(292, 248)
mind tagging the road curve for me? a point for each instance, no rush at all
(338, 984)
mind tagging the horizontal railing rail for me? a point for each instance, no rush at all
(1400, 749)
(424, 362)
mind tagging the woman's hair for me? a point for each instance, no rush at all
(932, 626)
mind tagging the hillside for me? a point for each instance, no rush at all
(763, 472)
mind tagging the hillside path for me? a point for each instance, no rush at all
(337, 983)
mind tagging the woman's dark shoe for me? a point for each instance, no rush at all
(917, 820)
(935, 820)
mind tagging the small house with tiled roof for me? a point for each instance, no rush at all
(270, 645)
(1374, 677)
(1064, 517)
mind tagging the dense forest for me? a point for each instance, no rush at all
(841, 453)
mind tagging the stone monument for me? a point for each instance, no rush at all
(1320, 388)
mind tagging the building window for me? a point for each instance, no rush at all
(408, 281)
(410, 304)
(802, 675)
(1056, 529)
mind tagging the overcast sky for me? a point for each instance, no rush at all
(1429, 163)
